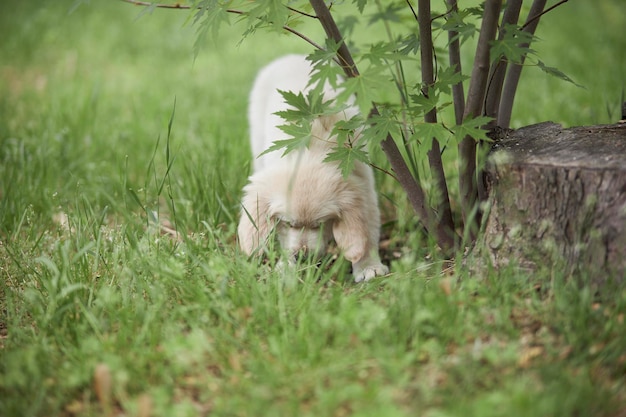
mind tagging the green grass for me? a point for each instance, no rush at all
(93, 281)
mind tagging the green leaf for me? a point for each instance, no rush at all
(299, 117)
(301, 138)
(364, 87)
(556, 73)
(383, 52)
(347, 25)
(477, 11)
(326, 55)
(301, 107)
(380, 127)
(360, 4)
(325, 68)
(390, 14)
(305, 109)
(272, 12)
(447, 77)
(456, 22)
(409, 45)
(210, 16)
(347, 156)
(345, 131)
(422, 103)
(510, 46)
(472, 128)
(424, 132)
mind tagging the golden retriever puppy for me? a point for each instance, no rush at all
(305, 200)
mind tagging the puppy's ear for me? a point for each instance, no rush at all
(255, 224)
(351, 233)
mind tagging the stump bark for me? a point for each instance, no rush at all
(558, 198)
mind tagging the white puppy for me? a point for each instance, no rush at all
(305, 199)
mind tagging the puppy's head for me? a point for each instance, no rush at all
(307, 204)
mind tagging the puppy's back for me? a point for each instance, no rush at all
(288, 73)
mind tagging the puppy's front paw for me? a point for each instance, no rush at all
(368, 272)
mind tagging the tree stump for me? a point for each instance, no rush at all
(558, 198)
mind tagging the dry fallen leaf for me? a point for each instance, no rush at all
(567, 350)
(596, 348)
(528, 354)
(446, 285)
(144, 405)
(102, 386)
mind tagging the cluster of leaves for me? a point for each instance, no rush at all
(380, 72)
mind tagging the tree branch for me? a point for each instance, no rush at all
(332, 32)
(408, 2)
(537, 16)
(300, 12)
(164, 6)
(303, 37)
(232, 11)
(473, 108)
(188, 7)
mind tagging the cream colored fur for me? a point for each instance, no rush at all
(307, 200)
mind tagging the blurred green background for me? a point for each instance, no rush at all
(91, 87)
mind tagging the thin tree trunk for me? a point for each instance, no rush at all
(473, 108)
(513, 76)
(494, 91)
(454, 54)
(498, 69)
(445, 224)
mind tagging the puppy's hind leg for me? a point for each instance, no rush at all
(370, 266)
(357, 236)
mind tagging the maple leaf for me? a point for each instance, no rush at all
(347, 156)
(272, 12)
(472, 127)
(423, 103)
(510, 46)
(360, 4)
(380, 127)
(325, 69)
(447, 77)
(428, 131)
(456, 22)
(364, 87)
(383, 52)
(300, 138)
(556, 73)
